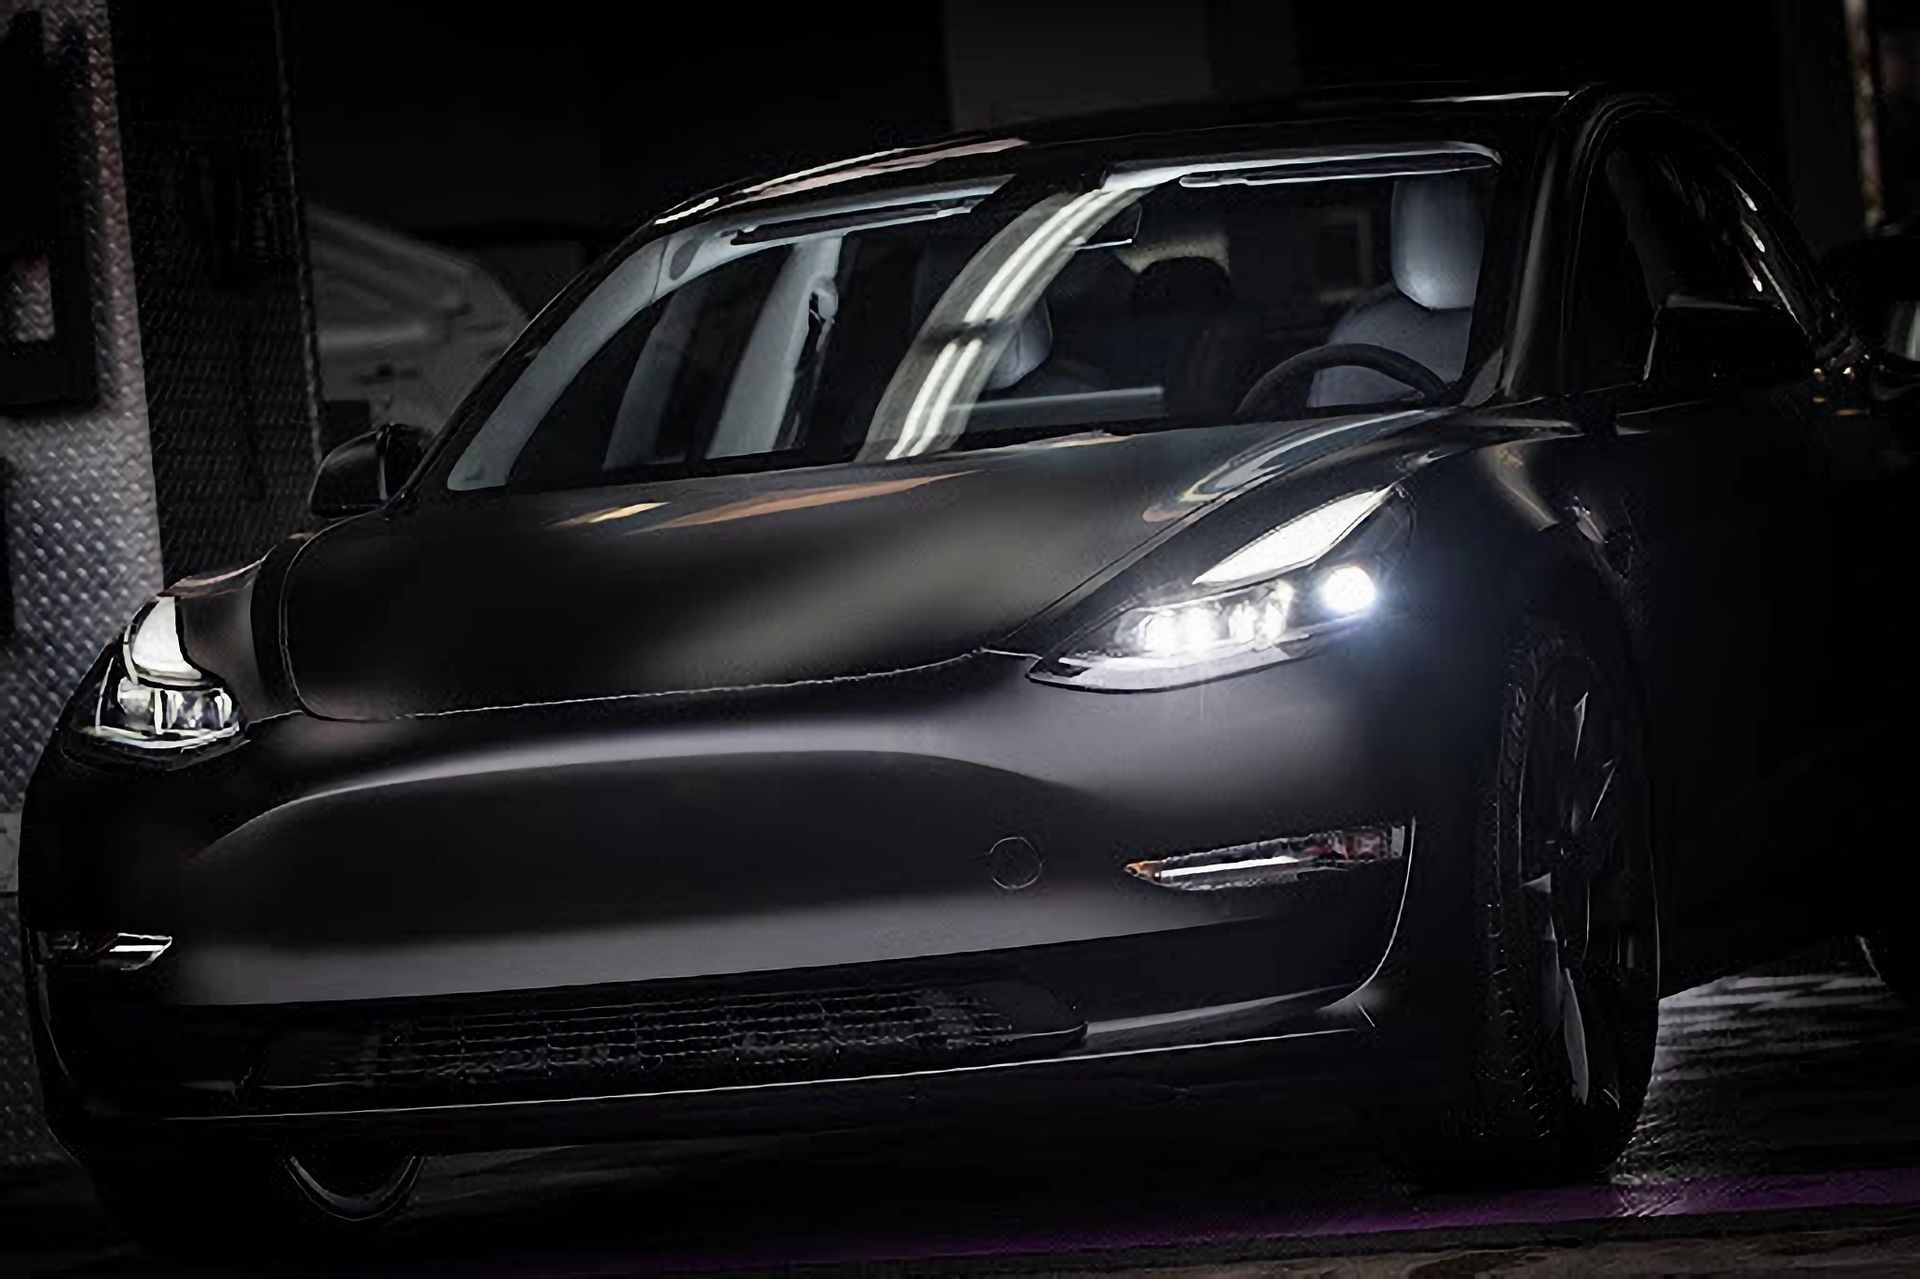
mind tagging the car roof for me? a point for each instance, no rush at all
(1505, 121)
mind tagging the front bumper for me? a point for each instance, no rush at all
(331, 877)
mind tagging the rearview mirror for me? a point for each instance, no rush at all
(365, 471)
(1707, 345)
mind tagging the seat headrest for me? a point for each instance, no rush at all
(1026, 350)
(1438, 232)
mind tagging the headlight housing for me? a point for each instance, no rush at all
(153, 698)
(1269, 601)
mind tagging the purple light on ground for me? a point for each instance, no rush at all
(1426, 1214)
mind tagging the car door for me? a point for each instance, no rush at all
(1844, 696)
(1722, 528)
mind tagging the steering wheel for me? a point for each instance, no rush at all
(1384, 360)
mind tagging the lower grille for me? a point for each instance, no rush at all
(664, 1043)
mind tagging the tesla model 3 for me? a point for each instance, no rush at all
(1355, 603)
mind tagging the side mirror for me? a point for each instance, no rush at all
(364, 472)
(1705, 345)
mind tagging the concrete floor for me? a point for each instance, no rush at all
(1782, 1131)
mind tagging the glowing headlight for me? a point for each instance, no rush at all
(1223, 632)
(1297, 543)
(152, 697)
(1348, 591)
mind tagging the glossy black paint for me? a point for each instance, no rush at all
(754, 726)
(360, 474)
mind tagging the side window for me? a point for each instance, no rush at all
(1643, 240)
(1685, 244)
(1611, 317)
(1757, 255)
(1780, 266)
(1665, 219)
(1744, 270)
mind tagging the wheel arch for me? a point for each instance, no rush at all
(1566, 580)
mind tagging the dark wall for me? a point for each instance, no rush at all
(528, 135)
(436, 115)
(488, 126)
(782, 88)
(1718, 53)
(1772, 74)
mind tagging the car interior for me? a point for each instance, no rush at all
(1183, 320)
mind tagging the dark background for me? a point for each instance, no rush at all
(529, 135)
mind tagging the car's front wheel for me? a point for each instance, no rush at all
(1566, 945)
(236, 1202)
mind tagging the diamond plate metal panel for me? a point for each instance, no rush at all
(220, 263)
(26, 300)
(82, 521)
(83, 534)
(24, 1139)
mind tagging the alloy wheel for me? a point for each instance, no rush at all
(1587, 895)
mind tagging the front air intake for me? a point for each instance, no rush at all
(660, 1044)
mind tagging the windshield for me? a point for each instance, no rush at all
(936, 319)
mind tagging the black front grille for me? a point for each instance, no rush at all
(703, 1040)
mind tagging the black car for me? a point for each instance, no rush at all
(1364, 601)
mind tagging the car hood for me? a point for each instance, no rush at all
(749, 580)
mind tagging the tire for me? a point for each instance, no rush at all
(1566, 934)
(1895, 961)
(230, 1204)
